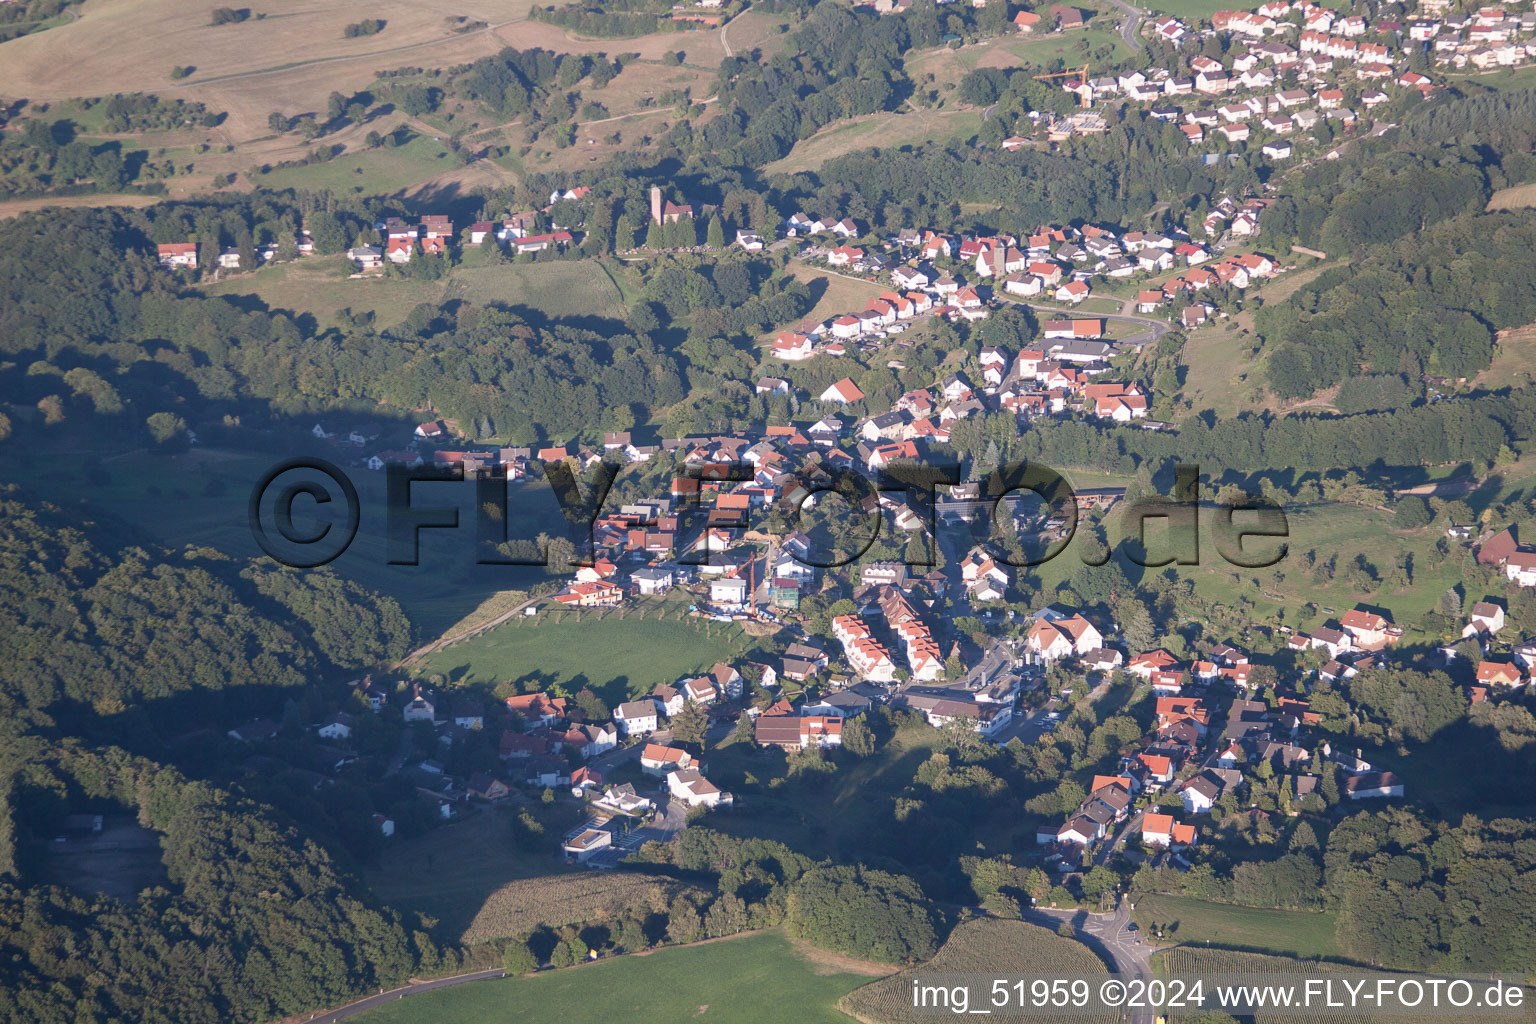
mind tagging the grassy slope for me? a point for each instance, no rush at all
(886, 131)
(755, 979)
(1192, 921)
(166, 496)
(321, 288)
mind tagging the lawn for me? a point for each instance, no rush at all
(1192, 922)
(620, 653)
(754, 979)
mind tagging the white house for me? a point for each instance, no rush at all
(693, 789)
(636, 717)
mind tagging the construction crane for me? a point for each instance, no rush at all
(1084, 94)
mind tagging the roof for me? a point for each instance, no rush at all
(847, 390)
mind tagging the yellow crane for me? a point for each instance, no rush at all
(1085, 94)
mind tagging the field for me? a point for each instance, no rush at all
(842, 294)
(1185, 10)
(1290, 594)
(290, 56)
(322, 288)
(559, 288)
(290, 59)
(1222, 376)
(948, 66)
(1514, 356)
(885, 131)
(1184, 961)
(977, 947)
(369, 171)
(1189, 921)
(471, 879)
(16, 207)
(1516, 197)
(619, 653)
(752, 979)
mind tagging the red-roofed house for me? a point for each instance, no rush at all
(843, 392)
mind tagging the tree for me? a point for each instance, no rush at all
(691, 724)
(858, 738)
(561, 956)
(517, 958)
(592, 705)
(683, 922)
(52, 408)
(624, 235)
(1303, 838)
(715, 236)
(745, 731)
(1412, 512)
(1099, 881)
(163, 426)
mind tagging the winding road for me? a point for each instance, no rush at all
(1131, 24)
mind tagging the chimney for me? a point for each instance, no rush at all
(656, 203)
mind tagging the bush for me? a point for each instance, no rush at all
(179, 72)
(371, 27)
(229, 15)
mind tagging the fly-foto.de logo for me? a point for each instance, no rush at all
(306, 512)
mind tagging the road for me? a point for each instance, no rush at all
(1112, 936)
(725, 44)
(1131, 25)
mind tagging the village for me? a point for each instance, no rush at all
(1220, 721)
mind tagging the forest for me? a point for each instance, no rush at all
(1429, 303)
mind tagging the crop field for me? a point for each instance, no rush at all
(1184, 960)
(620, 652)
(977, 947)
(520, 907)
(718, 982)
(1290, 932)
